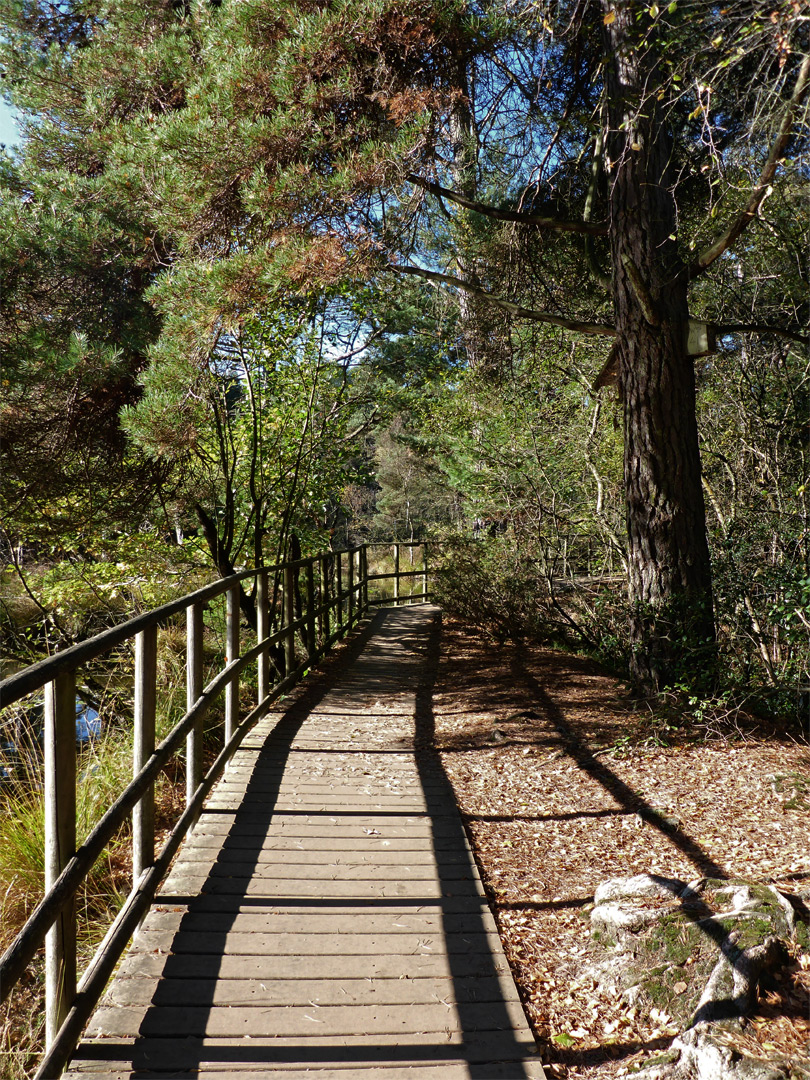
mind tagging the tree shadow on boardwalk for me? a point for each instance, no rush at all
(440, 797)
(185, 1031)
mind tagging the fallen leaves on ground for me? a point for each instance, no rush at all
(563, 785)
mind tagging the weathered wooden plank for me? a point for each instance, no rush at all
(345, 793)
(413, 1070)
(272, 1021)
(448, 905)
(340, 799)
(171, 1053)
(134, 991)
(346, 869)
(256, 766)
(286, 841)
(252, 822)
(361, 806)
(216, 965)
(254, 944)
(301, 856)
(324, 921)
(285, 888)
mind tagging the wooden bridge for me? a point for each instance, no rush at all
(324, 916)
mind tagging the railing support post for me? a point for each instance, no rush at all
(326, 599)
(231, 654)
(424, 572)
(60, 845)
(194, 685)
(289, 617)
(143, 746)
(339, 589)
(312, 642)
(396, 572)
(262, 633)
(351, 587)
(364, 577)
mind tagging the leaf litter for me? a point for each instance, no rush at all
(563, 785)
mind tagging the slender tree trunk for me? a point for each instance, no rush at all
(480, 324)
(222, 560)
(669, 568)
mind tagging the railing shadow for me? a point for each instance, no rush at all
(158, 1050)
(175, 1035)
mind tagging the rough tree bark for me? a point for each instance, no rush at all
(669, 568)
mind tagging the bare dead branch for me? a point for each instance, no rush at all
(556, 224)
(599, 329)
(740, 223)
(758, 328)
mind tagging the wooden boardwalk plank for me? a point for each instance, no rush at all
(325, 917)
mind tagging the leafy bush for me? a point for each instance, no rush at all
(496, 586)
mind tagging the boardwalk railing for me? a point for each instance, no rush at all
(309, 616)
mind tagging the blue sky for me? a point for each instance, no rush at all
(8, 129)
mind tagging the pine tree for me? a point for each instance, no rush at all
(587, 167)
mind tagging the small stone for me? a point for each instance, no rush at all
(613, 918)
(680, 987)
(640, 885)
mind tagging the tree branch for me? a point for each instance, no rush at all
(520, 216)
(603, 279)
(506, 305)
(756, 328)
(726, 239)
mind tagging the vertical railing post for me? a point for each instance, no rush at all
(396, 572)
(231, 654)
(312, 641)
(424, 572)
(289, 617)
(60, 845)
(364, 577)
(351, 587)
(339, 589)
(143, 746)
(194, 678)
(262, 633)
(326, 592)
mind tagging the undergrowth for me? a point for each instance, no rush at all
(506, 587)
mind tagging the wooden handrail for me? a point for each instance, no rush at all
(330, 611)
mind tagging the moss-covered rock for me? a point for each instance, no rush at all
(696, 952)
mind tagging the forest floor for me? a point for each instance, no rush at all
(563, 784)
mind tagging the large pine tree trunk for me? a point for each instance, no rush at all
(669, 567)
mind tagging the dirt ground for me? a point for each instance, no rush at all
(562, 785)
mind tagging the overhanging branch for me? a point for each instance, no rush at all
(757, 328)
(530, 314)
(726, 239)
(523, 218)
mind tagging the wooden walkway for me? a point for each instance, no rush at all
(325, 917)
